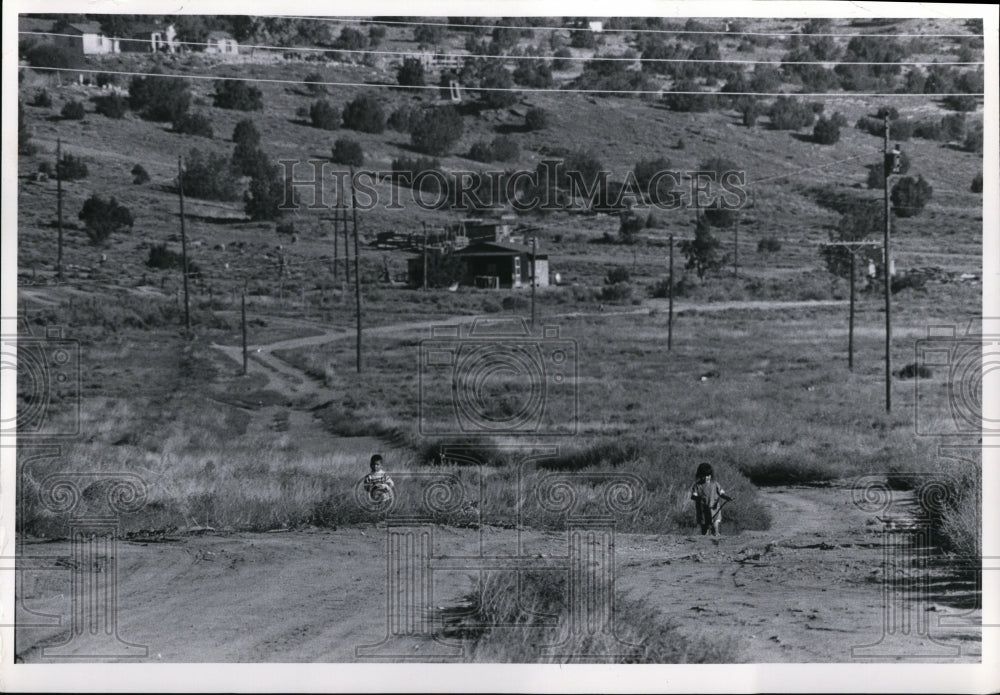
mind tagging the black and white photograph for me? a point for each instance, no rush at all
(342, 346)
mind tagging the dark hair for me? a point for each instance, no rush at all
(704, 469)
(377, 458)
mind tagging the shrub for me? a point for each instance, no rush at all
(73, 111)
(323, 115)
(977, 183)
(246, 133)
(248, 158)
(210, 176)
(428, 34)
(365, 113)
(42, 99)
(702, 252)
(561, 59)
(410, 73)
(582, 38)
(162, 258)
(618, 292)
(749, 111)
(159, 98)
(688, 102)
(628, 233)
(974, 138)
(71, 168)
(105, 79)
(496, 78)
(401, 120)
(49, 55)
(769, 244)
(646, 169)
(436, 130)
(788, 113)
(536, 118)
(104, 217)
(909, 196)
(112, 105)
(139, 175)
(533, 73)
(505, 149)
(953, 126)
(481, 152)
(237, 95)
(313, 79)
(348, 152)
(24, 144)
(194, 124)
(351, 40)
(826, 132)
(265, 195)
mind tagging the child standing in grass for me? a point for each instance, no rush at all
(378, 484)
(707, 494)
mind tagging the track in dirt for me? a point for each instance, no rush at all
(808, 591)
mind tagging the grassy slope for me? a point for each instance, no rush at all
(795, 364)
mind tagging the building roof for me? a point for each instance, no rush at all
(491, 248)
(219, 34)
(86, 27)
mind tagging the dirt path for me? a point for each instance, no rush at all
(807, 591)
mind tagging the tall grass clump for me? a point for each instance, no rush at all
(514, 616)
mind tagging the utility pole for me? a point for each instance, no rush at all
(670, 294)
(887, 167)
(534, 240)
(850, 322)
(347, 254)
(243, 325)
(59, 220)
(736, 246)
(184, 258)
(357, 270)
(424, 224)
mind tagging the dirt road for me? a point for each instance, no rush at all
(807, 591)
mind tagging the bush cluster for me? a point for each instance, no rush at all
(194, 124)
(111, 105)
(210, 176)
(348, 152)
(788, 113)
(237, 95)
(365, 113)
(104, 217)
(73, 111)
(71, 168)
(159, 98)
(324, 116)
(436, 130)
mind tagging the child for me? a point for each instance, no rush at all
(706, 494)
(378, 484)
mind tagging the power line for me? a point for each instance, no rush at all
(472, 56)
(556, 90)
(615, 31)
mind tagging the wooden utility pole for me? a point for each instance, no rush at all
(184, 258)
(243, 325)
(424, 224)
(670, 294)
(533, 271)
(347, 254)
(887, 261)
(357, 269)
(850, 322)
(736, 247)
(59, 220)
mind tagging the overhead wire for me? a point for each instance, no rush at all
(475, 56)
